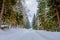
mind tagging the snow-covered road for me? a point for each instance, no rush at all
(28, 34)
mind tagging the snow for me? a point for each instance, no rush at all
(28, 34)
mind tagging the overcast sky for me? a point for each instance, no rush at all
(31, 8)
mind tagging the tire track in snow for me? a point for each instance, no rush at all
(44, 36)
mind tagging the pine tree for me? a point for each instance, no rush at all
(7, 12)
(27, 25)
(19, 18)
(54, 6)
(34, 22)
(48, 18)
(42, 12)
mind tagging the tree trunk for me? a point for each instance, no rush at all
(57, 13)
(2, 10)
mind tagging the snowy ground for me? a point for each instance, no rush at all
(28, 34)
